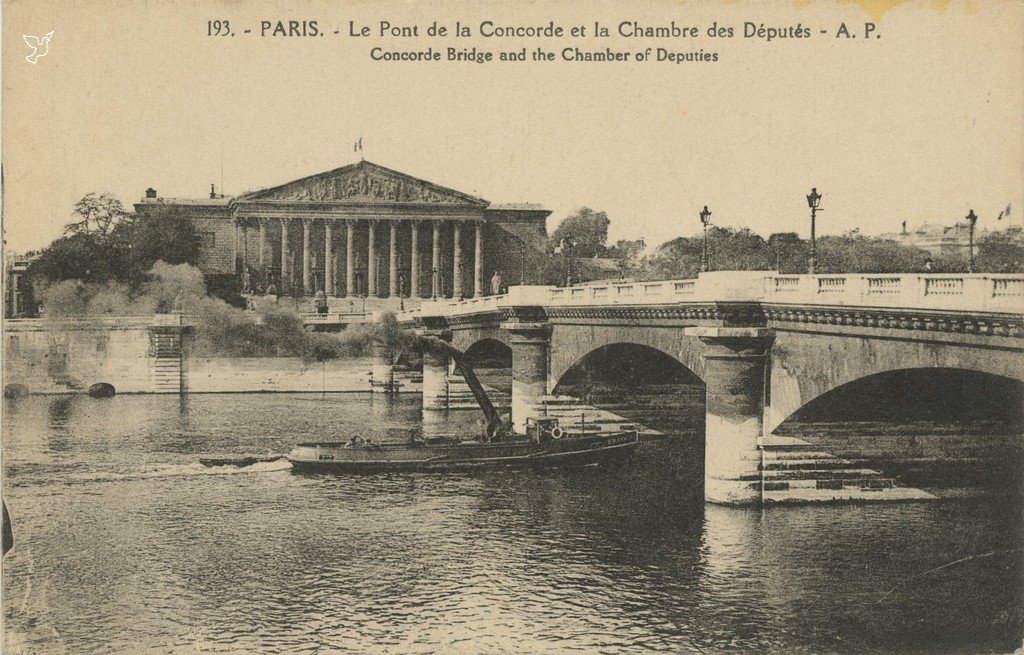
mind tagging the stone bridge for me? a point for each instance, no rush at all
(764, 344)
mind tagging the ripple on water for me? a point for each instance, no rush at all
(125, 544)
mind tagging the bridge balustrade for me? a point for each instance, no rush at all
(1001, 293)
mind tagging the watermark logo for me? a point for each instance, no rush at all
(39, 46)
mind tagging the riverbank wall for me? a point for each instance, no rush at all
(150, 354)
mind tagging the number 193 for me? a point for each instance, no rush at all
(218, 28)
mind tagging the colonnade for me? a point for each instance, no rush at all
(361, 274)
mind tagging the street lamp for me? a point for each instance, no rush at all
(971, 220)
(813, 200)
(705, 218)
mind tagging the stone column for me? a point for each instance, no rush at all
(371, 262)
(286, 274)
(734, 377)
(435, 271)
(264, 259)
(245, 254)
(529, 369)
(234, 246)
(328, 259)
(350, 254)
(478, 262)
(393, 261)
(414, 255)
(435, 373)
(307, 272)
(457, 260)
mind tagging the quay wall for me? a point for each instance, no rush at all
(67, 358)
(143, 355)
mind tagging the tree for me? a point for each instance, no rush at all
(77, 257)
(97, 213)
(1001, 252)
(859, 254)
(738, 250)
(167, 236)
(587, 230)
(790, 252)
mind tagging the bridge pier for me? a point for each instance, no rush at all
(734, 375)
(530, 357)
(382, 376)
(436, 367)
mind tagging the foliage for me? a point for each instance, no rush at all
(227, 288)
(387, 332)
(738, 250)
(1001, 252)
(107, 245)
(586, 230)
(860, 254)
(789, 252)
(97, 214)
(167, 236)
(77, 257)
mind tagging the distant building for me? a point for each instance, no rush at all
(936, 239)
(361, 230)
(18, 298)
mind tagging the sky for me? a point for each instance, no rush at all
(919, 125)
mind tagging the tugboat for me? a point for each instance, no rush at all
(544, 445)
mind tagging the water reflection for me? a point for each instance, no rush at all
(139, 549)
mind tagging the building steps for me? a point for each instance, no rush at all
(795, 471)
(168, 369)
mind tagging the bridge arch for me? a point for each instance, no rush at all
(629, 363)
(806, 367)
(571, 343)
(910, 394)
(466, 339)
(489, 353)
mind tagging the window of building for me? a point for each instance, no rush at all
(101, 343)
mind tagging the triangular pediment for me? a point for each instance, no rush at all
(364, 182)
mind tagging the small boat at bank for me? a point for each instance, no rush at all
(538, 450)
(240, 461)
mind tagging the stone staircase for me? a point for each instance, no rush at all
(461, 397)
(168, 370)
(794, 471)
(791, 471)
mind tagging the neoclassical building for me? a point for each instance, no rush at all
(363, 230)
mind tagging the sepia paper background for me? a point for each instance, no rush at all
(919, 125)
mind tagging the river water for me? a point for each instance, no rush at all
(124, 544)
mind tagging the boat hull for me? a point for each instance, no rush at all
(339, 458)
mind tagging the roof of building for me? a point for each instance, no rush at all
(517, 206)
(224, 200)
(363, 180)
